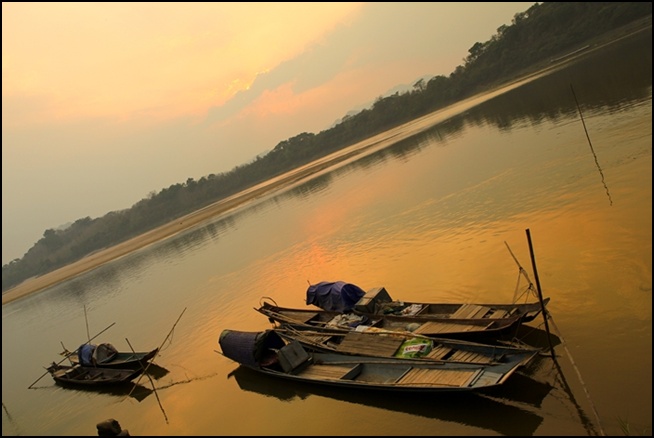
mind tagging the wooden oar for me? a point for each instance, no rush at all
(75, 351)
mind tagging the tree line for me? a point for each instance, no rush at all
(534, 38)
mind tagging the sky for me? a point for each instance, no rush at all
(105, 103)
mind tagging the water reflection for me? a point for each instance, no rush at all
(156, 371)
(312, 187)
(136, 391)
(469, 409)
(585, 421)
(521, 388)
(600, 80)
(536, 337)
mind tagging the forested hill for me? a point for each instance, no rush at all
(535, 37)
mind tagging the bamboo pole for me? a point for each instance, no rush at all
(158, 351)
(581, 116)
(540, 293)
(88, 335)
(154, 389)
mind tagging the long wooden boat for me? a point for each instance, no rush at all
(77, 375)
(266, 352)
(495, 412)
(345, 297)
(479, 329)
(395, 344)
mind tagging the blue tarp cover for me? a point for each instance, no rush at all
(336, 296)
(85, 354)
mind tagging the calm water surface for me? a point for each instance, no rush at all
(429, 218)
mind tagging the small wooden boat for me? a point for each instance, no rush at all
(92, 356)
(479, 330)
(267, 353)
(78, 375)
(379, 343)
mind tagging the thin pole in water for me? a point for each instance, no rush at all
(88, 335)
(581, 116)
(540, 294)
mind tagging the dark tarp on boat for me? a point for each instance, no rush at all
(336, 296)
(85, 354)
(247, 348)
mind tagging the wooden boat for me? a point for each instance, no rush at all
(395, 344)
(267, 353)
(345, 305)
(495, 410)
(344, 297)
(479, 329)
(78, 375)
(114, 359)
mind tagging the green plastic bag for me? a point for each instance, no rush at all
(415, 347)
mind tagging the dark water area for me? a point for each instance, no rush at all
(429, 217)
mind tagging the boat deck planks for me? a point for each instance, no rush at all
(470, 311)
(455, 378)
(332, 372)
(358, 343)
(439, 352)
(303, 317)
(499, 314)
(470, 356)
(445, 327)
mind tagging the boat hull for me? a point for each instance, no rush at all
(267, 353)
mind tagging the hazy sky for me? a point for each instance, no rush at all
(103, 103)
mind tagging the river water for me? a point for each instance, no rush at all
(431, 218)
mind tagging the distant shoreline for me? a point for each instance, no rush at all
(106, 255)
(184, 223)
